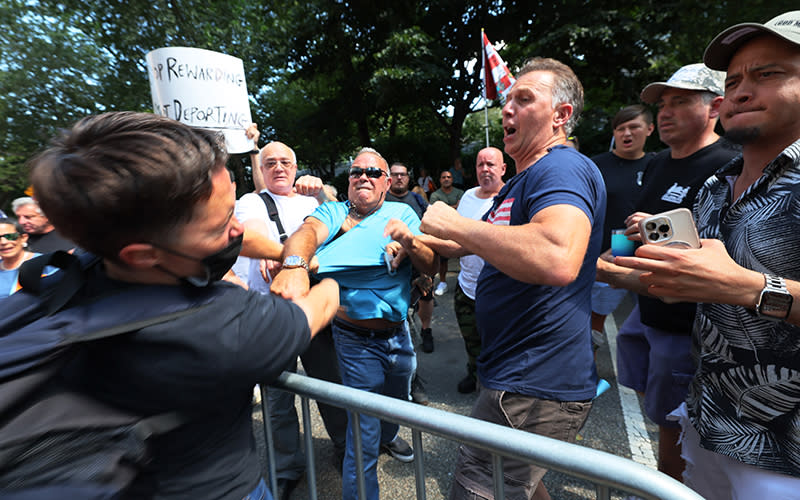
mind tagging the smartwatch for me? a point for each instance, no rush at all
(294, 261)
(775, 301)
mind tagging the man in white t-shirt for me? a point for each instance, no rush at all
(489, 169)
(263, 240)
(278, 165)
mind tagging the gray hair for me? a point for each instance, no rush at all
(567, 89)
(707, 96)
(374, 152)
(25, 200)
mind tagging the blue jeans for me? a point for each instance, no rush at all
(259, 493)
(382, 366)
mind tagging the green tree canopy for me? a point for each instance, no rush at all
(327, 76)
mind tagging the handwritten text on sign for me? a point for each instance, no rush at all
(203, 89)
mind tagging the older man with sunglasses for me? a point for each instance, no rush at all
(362, 244)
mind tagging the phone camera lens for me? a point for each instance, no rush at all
(650, 226)
(654, 236)
(664, 228)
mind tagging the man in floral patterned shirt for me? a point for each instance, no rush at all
(742, 417)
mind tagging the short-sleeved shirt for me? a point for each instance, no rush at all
(49, 242)
(624, 179)
(744, 400)
(9, 279)
(355, 259)
(669, 184)
(412, 199)
(536, 339)
(203, 365)
(292, 210)
(452, 198)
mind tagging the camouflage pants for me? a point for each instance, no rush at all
(464, 308)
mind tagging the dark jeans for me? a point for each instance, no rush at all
(380, 366)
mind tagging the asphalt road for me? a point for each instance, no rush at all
(615, 424)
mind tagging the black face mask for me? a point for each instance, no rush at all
(215, 265)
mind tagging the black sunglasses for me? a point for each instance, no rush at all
(11, 236)
(372, 172)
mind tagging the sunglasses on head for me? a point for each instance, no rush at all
(11, 236)
(372, 172)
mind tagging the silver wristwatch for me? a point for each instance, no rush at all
(294, 261)
(775, 301)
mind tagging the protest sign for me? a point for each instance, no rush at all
(203, 89)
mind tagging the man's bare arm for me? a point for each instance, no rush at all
(253, 133)
(320, 304)
(549, 250)
(445, 248)
(291, 283)
(707, 274)
(257, 244)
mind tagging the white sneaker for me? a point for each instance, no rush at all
(440, 289)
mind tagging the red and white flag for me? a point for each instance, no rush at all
(496, 76)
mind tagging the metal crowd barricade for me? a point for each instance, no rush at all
(603, 469)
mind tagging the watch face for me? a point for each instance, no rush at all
(776, 303)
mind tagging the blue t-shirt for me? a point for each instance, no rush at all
(355, 260)
(8, 282)
(536, 339)
(9, 278)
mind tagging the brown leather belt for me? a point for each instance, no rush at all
(371, 333)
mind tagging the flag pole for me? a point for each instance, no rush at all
(485, 100)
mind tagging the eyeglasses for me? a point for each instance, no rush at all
(399, 174)
(372, 172)
(285, 163)
(11, 236)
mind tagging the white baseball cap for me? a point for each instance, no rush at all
(722, 48)
(690, 77)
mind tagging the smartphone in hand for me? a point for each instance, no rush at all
(674, 228)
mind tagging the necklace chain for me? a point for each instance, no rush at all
(354, 213)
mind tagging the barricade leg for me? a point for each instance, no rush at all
(497, 476)
(311, 472)
(359, 453)
(419, 463)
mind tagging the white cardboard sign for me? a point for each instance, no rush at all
(203, 89)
